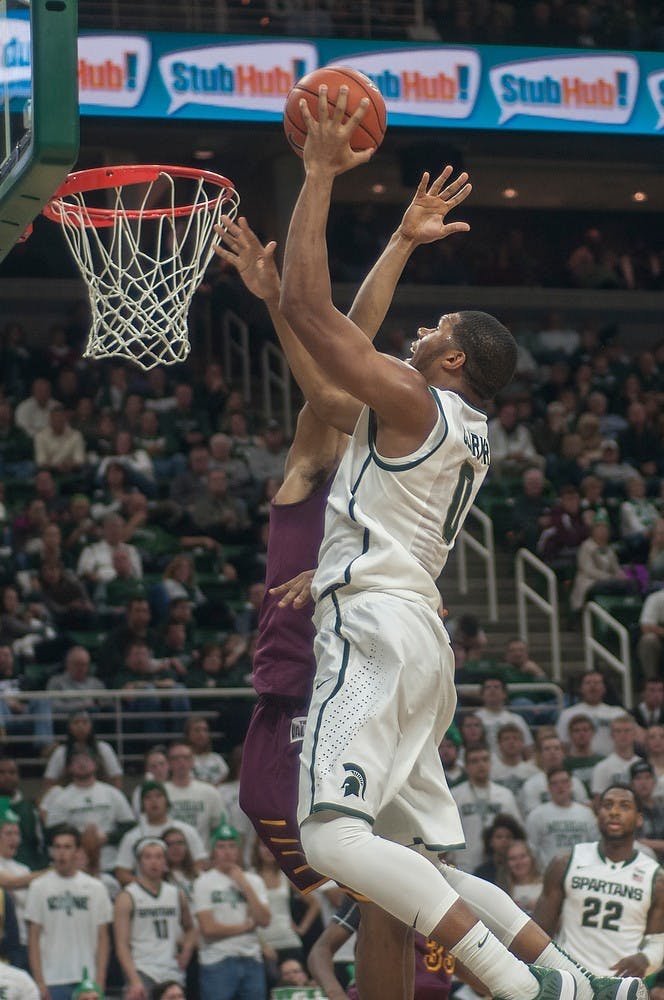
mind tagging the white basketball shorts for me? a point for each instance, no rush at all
(383, 699)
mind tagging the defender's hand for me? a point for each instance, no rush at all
(296, 591)
(327, 146)
(253, 261)
(424, 219)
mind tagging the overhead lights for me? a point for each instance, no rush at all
(203, 154)
(510, 193)
(639, 196)
(378, 188)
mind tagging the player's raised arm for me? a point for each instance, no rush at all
(396, 391)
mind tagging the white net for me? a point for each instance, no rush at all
(143, 265)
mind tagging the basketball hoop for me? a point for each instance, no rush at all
(142, 251)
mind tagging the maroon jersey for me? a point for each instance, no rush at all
(284, 662)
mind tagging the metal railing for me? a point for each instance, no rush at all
(237, 360)
(548, 605)
(556, 700)
(125, 729)
(486, 551)
(622, 664)
(277, 387)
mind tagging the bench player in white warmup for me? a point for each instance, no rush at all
(384, 690)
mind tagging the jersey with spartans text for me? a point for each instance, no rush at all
(392, 522)
(606, 906)
(155, 929)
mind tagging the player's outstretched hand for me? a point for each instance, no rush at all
(296, 591)
(254, 262)
(327, 146)
(631, 965)
(424, 219)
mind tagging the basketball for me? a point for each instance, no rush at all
(369, 132)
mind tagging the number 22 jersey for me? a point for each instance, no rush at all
(606, 906)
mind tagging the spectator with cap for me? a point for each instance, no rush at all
(651, 832)
(155, 817)
(15, 877)
(31, 847)
(230, 904)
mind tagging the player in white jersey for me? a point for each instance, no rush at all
(605, 899)
(384, 689)
(154, 932)
(16, 984)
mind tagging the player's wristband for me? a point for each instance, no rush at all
(652, 946)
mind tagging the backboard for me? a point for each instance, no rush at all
(38, 108)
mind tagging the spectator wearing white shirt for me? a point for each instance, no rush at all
(75, 677)
(559, 824)
(512, 448)
(68, 914)
(58, 446)
(154, 819)
(479, 801)
(98, 811)
(614, 769)
(95, 562)
(230, 904)
(192, 801)
(31, 415)
(494, 714)
(592, 704)
(535, 790)
(15, 877)
(509, 766)
(208, 765)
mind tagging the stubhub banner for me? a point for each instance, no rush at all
(234, 78)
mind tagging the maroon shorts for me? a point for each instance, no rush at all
(269, 782)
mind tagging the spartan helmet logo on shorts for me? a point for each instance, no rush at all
(355, 782)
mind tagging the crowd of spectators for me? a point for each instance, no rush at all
(564, 23)
(134, 529)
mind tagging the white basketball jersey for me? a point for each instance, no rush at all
(155, 929)
(392, 522)
(606, 907)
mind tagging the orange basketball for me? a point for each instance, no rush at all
(370, 131)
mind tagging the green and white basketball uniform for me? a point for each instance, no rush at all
(384, 689)
(156, 925)
(606, 907)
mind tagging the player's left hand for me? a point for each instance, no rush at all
(252, 261)
(327, 148)
(295, 592)
(631, 965)
(424, 219)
